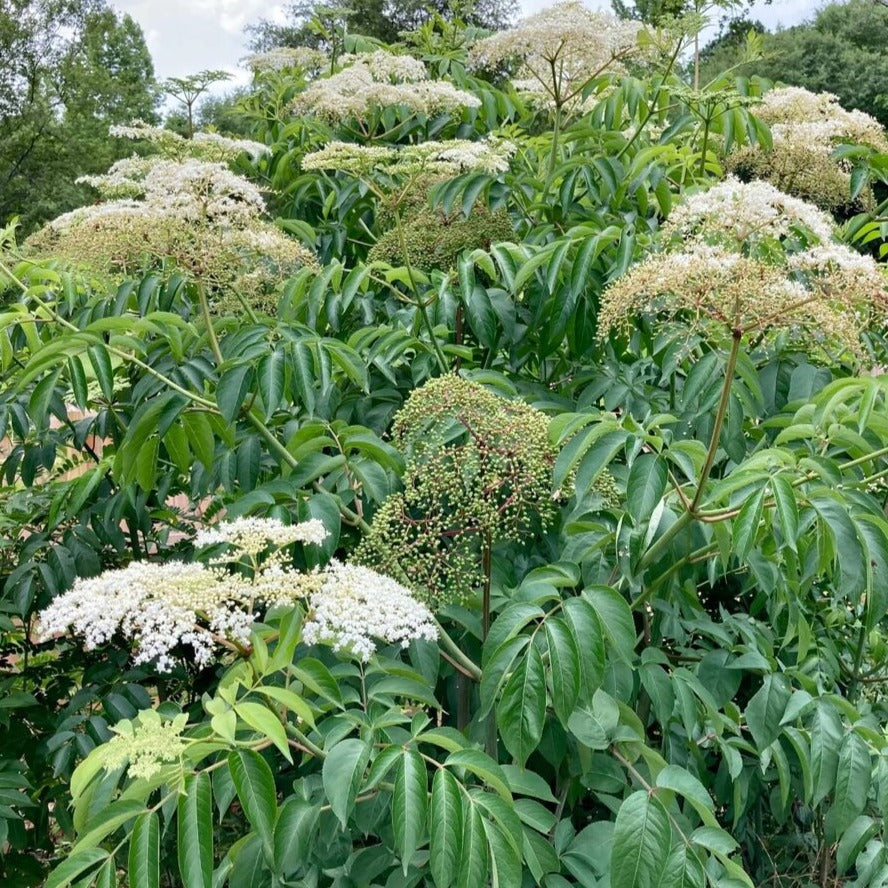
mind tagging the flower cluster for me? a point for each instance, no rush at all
(436, 159)
(162, 608)
(377, 80)
(282, 58)
(211, 147)
(146, 743)
(561, 50)
(354, 605)
(805, 129)
(252, 536)
(755, 262)
(189, 210)
(479, 469)
(158, 607)
(739, 211)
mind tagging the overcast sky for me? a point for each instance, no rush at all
(185, 36)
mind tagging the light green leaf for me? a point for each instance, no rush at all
(263, 720)
(645, 486)
(689, 787)
(521, 712)
(195, 832)
(342, 773)
(853, 779)
(254, 783)
(642, 841)
(144, 852)
(564, 667)
(445, 828)
(409, 805)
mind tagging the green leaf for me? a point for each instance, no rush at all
(583, 621)
(265, 722)
(409, 805)
(854, 774)
(231, 391)
(195, 832)
(521, 712)
(615, 618)
(714, 839)
(294, 834)
(342, 773)
(689, 787)
(270, 381)
(101, 364)
(645, 486)
(682, 869)
(74, 866)
(765, 710)
(473, 863)
(826, 738)
(445, 828)
(787, 509)
(144, 852)
(254, 783)
(483, 766)
(746, 524)
(853, 841)
(564, 667)
(642, 841)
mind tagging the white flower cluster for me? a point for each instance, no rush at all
(145, 744)
(561, 49)
(204, 146)
(739, 211)
(805, 129)
(157, 607)
(715, 272)
(819, 116)
(380, 80)
(160, 607)
(282, 58)
(187, 210)
(252, 536)
(438, 159)
(354, 605)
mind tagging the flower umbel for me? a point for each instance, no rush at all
(145, 744)
(353, 606)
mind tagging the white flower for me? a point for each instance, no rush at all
(156, 606)
(282, 57)
(561, 49)
(225, 148)
(448, 158)
(252, 536)
(380, 80)
(354, 605)
(145, 744)
(746, 209)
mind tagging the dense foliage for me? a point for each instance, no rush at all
(838, 51)
(69, 69)
(462, 481)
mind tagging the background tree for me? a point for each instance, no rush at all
(840, 51)
(311, 24)
(68, 70)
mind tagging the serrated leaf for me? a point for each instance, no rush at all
(254, 783)
(521, 712)
(642, 842)
(194, 820)
(342, 773)
(645, 486)
(294, 834)
(564, 666)
(445, 829)
(409, 806)
(144, 852)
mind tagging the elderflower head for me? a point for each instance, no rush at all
(252, 536)
(283, 57)
(805, 129)
(740, 210)
(561, 50)
(210, 147)
(702, 284)
(380, 80)
(157, 607)
(145, 744)
(354, 606)
(445, 159)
